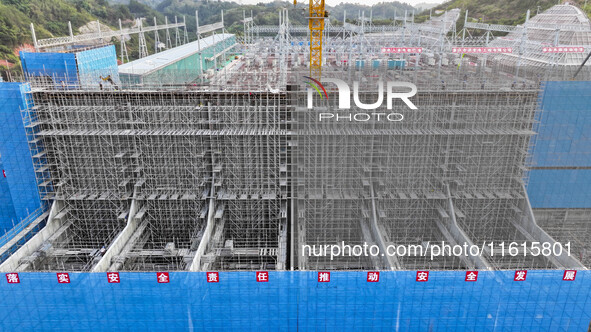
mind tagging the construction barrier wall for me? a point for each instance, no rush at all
(298, 301)
(561, 172)
(19, 195)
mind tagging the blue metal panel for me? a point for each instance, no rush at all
(296, 301)
(16, 158)
(564, 137)
(57, 68)
(560, 188)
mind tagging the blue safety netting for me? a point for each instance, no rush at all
(563, 144)
(18, 183)
(53, 69)
(560, 188)
(73, 70)
(564, 133)
(297, 301)
(97, 62)
(7, 213)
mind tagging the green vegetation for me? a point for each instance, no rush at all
(51, 19)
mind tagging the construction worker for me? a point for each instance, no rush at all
(110, 80)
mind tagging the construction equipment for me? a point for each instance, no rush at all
(316, 26)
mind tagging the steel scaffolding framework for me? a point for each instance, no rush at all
(237, 173)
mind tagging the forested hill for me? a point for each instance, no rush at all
(51, 19)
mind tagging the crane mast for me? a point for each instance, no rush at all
(316, 26)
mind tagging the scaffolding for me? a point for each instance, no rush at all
(234, 172)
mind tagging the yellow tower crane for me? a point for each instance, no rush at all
(316, 26)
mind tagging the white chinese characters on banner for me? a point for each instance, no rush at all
(471, 276)
(163, 277)
(373, 276)
(113, 277)
(569, 275)
(481, 50)
(12, 278)
(422, 276)
(395, 50)
(564, 49)
(262, 276)
(323, 276)
(63, 278)
(520, 275)
(213, 277)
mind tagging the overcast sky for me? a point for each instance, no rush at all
(336, 2)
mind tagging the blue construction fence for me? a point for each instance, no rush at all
(19, 195)
(297, 301)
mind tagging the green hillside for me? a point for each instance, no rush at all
(50, 18)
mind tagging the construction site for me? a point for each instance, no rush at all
(224, 166)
